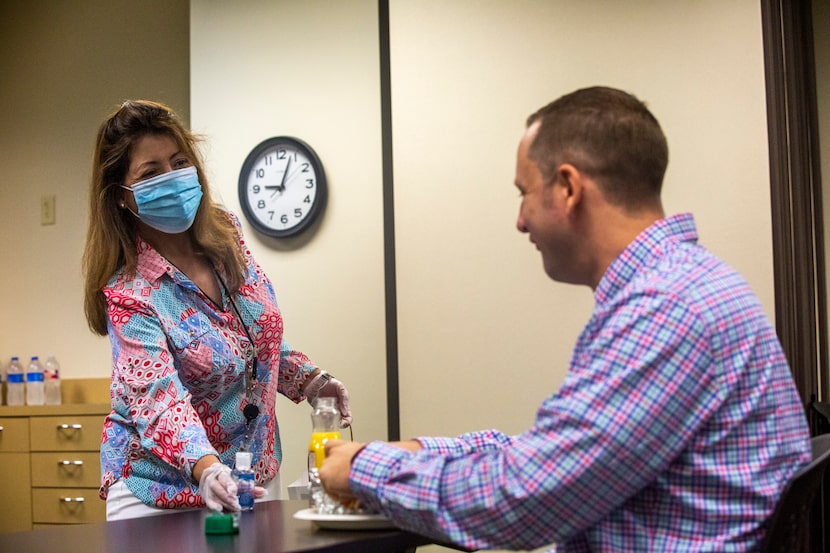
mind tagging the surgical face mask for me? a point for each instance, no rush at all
(168, 202)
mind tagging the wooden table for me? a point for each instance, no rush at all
(270, 527)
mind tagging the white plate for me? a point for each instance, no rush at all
(345, 522)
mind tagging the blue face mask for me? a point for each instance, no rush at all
(168, 202)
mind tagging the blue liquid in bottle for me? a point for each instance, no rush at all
(244, 480)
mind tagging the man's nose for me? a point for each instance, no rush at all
(520, 224)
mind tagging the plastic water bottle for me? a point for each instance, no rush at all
(244, 477)
(52, 382)
(325, 421)
(15, 385)
(34, 382)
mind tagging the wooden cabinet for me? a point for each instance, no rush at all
(15, 474)
(50, 465)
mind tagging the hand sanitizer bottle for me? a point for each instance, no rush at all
(244, 480)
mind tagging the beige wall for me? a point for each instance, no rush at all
(484, 336)
(64, 66)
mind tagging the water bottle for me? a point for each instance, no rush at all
(34, 382)
(325, 421)
(15, 385)
(52, 382)
(244, 477)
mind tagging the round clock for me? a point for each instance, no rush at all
(282, 187)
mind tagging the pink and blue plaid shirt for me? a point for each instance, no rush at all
(676, 428)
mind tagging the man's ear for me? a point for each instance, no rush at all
(572, 185)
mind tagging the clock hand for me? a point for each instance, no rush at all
(277, 188)
(281, 187)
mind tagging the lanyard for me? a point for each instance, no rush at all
(250, 411)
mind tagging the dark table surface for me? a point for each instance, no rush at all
(270, 527)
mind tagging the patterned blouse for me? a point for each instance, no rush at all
(178, 378)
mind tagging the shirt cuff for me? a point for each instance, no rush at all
(371, 467)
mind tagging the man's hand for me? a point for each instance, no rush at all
(334, 472)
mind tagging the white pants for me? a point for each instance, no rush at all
(121, 503)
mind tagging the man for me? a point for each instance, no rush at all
(678, 422)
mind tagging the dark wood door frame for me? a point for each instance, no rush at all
(795, 187)
(797, 222)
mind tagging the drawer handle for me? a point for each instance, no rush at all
(1, 428)
(76, 463)
(72, 499)
(69, 427)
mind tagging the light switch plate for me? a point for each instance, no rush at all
(47, 209)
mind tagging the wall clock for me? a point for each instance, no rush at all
(282, 187)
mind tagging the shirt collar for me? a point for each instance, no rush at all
(151, 264)
(644, 251)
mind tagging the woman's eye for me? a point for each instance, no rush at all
(181, 163)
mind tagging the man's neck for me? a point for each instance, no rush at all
(614, 230)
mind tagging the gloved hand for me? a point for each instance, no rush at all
(218, 489)
(325, 385)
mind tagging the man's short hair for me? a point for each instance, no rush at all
(609, 135)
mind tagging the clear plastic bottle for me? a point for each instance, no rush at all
(15, 383)
(52, 381)
(244, 477)
(34, 382)
(325, 421)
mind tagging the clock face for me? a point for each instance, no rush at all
(282, 187)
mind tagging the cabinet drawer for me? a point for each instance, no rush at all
(66, 470)
(67, 506)
(15, 434)
(66, 433)
(15, 493)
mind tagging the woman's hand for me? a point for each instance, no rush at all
(216, 485)
(325, 385)
(217, 488)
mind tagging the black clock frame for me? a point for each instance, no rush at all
(321, 195)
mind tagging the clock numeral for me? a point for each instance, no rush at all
(256, 189)
(309, 183)
(261, 205)
(260, 173)
(284, 219)
(304, 167)
(269, 160)
(307, 200)
(298, 213)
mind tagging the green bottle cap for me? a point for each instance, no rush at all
(222, 523)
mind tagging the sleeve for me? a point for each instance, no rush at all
(148, 393)
(466, 443)
(295, 369)
(631, 401)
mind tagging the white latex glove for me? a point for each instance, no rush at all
(218, 489)
(325, 385)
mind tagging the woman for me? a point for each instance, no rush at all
(196, 334)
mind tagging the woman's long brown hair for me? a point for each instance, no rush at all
(111, 236)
